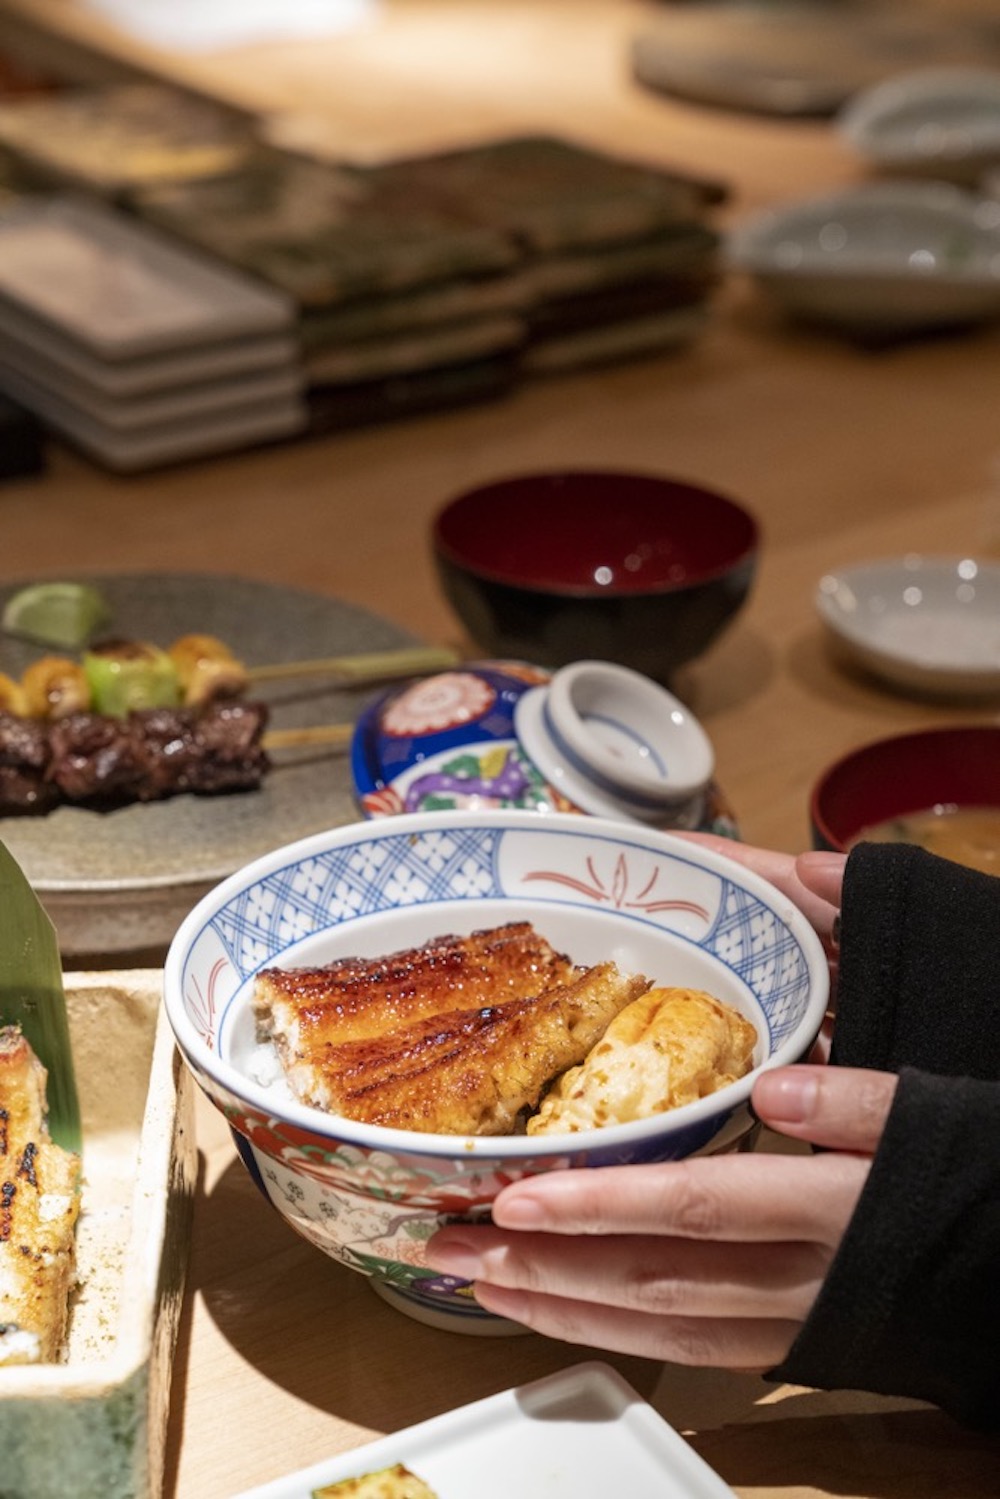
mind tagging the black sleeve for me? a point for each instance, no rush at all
(919, 982)
(910, 1304)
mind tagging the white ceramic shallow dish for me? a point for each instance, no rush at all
(790, 58)
(930, 624)
(939, 122)
(583, 1433)
(96, 1424)
(882, 258)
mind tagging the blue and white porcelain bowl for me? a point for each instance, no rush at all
(592, 737)
(597, 889)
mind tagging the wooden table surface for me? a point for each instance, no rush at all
(285, 1357)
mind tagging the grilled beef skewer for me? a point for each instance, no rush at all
(24, 758)
(91, 759)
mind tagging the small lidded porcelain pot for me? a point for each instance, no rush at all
(616, 744)
(593, 737)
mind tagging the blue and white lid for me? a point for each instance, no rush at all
(593, 737)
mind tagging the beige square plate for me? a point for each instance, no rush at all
(96, 1424)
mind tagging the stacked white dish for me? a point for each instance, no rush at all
(138, 351)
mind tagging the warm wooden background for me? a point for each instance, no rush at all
(843, 455)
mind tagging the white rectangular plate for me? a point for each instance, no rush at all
(125, 414)
(167, 442)
(581, 1434)
(122, 289)
(23, 337)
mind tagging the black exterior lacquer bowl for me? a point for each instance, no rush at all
(634, 568)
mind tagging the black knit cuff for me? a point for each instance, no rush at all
(919, 974)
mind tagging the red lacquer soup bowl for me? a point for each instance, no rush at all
(634, 568)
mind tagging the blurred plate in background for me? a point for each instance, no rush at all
(794, 58)
(940, 122)
(884, 259)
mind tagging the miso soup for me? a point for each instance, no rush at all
(967, 835)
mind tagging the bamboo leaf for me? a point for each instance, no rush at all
(32, 995)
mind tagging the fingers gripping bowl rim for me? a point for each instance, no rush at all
(371, 1196)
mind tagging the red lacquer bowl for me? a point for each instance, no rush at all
(890, 778)
(634, 568)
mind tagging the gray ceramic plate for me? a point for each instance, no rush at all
(121, 881)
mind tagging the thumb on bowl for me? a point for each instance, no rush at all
(841, 1108)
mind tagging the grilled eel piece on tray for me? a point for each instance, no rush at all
(39, 1205)
(459, 1036)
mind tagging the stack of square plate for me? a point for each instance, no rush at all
(418, 283)
(436, 279)
(617, 257)
(136, 350)
(403, 304)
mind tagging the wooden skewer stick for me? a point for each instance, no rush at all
(336, 734)
(369, 666)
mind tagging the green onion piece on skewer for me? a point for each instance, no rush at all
(126, 675)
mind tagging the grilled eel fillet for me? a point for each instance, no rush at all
(353, 998)
(456, 1037)
(667, 1048)
(39, 1205)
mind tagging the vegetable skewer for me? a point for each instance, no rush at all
(368, 667)
(131, 722)
(119, 676)
(336, 735)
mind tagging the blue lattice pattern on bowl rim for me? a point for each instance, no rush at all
(372, 1196)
